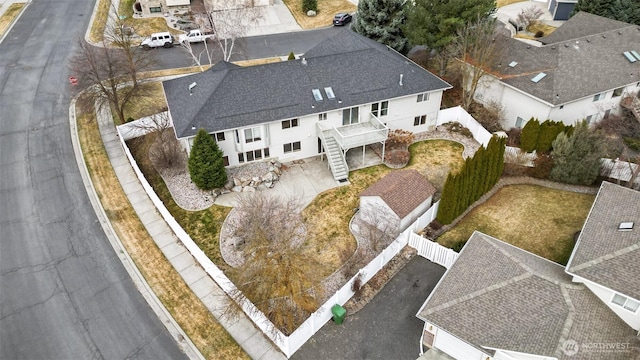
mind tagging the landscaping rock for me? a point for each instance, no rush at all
(237, 188)
(311, 13)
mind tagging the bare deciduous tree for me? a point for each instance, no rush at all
(379, 225)
(112, 74)
(528, 15)
(277, 275)
(197, 57)
(165, 151)
(475, 47)
(230, 20)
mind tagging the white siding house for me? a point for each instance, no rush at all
(346, 92)
(606, 258)
(581, 71)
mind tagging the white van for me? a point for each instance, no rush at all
(164, 39)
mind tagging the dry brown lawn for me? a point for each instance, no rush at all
(96, 34)
(534, 218)
(11, 14)
(195, 319)
(328, 215)
(326, 11)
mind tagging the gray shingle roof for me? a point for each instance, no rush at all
(359, 71)
(576, 67)
(580, 25)
(500, 297)
(603, 254)
(402, 191)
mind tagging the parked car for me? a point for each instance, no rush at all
(341, 19)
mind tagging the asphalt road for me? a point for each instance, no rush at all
(255, 47)
(64, 293)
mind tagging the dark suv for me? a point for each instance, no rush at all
(341, 19)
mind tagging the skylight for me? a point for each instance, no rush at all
(538, 77)
(330, 94)
(317, 94)
(513, 64)
(629, 57)
(625, 226)
(635, 53)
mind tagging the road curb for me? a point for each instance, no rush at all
(181, 338)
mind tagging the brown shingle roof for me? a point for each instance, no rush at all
(497, 296)
(402, 191)
(603, 254)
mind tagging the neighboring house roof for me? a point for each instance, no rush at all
(575, 67)
(603, 254)
(580, 25)
(402, 191)
(359, 71)
(497, 296)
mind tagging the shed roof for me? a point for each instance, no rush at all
(497, 296)
(403, 191)
(358, 70)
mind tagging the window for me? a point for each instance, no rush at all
(423, 97)
(253, 155)
(320, 147)
(237, 137)
(350, 116)
(251, 135)
(291, 147)
(322, 116)
(380, 109)
(598, 97)
(519, 122)
(617, 92)
(588, 119)
(219, 136)
(420, 120)
(225, 160)
(289, 123)
(626, 302)
(155, 9)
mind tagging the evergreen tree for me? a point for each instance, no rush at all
(529, 135)
(206, 166)
(292, 56)
(549, 130)
(435, 23)
(621, 10)
(576, 158)
(381, 20)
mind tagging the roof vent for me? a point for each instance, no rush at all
(513, 64)
(625, 226)
(401, 75)
(538, 77)
(191, 87)
(304, 61)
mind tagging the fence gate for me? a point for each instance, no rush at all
(432, 251)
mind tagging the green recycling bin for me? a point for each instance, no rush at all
(338, 313)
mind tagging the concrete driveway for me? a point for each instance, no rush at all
(387, 327)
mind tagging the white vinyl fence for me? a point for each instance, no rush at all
(458, 114)
(432, 250)
(290, 344)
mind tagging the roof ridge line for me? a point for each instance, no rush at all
(568, 323)
(603, 258)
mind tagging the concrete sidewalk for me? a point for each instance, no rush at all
(251, 339)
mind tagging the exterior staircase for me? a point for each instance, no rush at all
(337, 162)
(632, 103)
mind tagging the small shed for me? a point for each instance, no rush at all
(405, 194)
